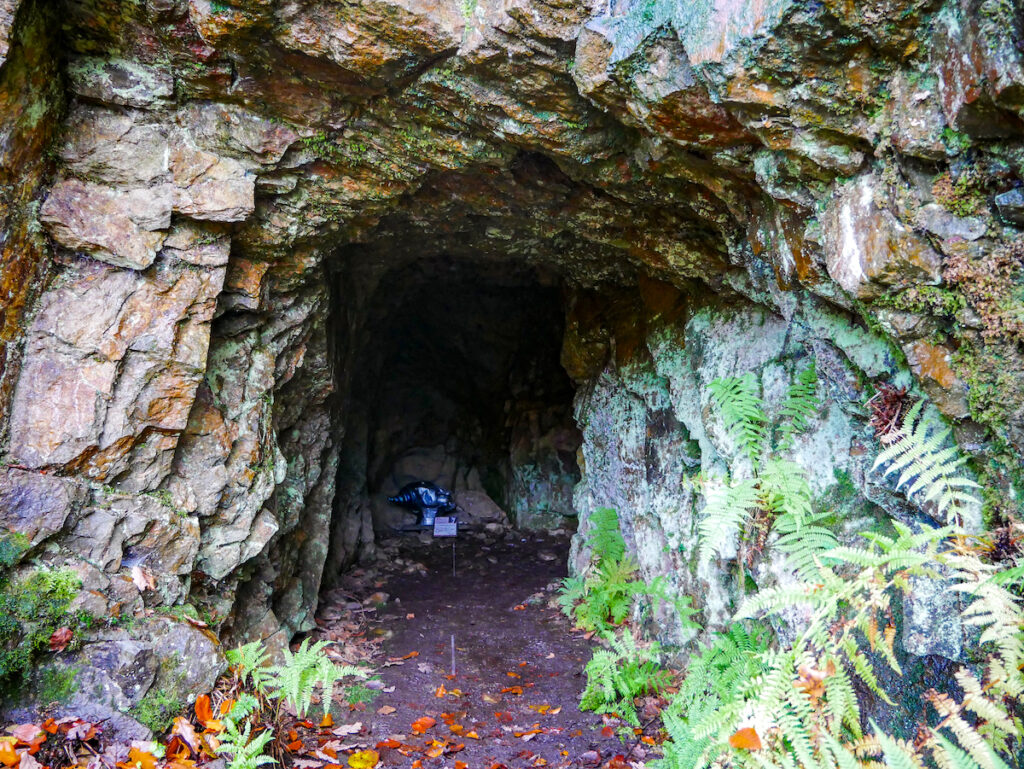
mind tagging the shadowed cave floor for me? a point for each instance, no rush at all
(518, 667)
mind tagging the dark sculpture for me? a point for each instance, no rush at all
(425, 498)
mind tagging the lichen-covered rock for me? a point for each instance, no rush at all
(870, 251)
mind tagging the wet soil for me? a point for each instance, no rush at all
(509, 697)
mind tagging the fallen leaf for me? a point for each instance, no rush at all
(491, 699)
(328, 721)
(306, 763)
(512, 690)
(81, 730)
(607, 731)
(346, 729)
(410, 615)
(472, 735)
(143, 579)
(745, 738)
(513, 675)
(520, 607)
(461, 765)
(385, 710)
(436, 751)
(420, 725)
(364, 759)
(203, 711)
(27, 733)
(440, 691)
(8, 755)
(28, 761)
(294, 746)
(60, 639)
(389, 743)
(184, 729)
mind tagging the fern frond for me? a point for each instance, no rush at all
(605, 537)
(897, 754)
(726, 509)
(927, 467)
(801, 404)
(742, 411)
(949, 756)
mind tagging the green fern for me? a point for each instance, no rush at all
(604, 536)
(928, 467)
(570, 593)
(801, 404)
(726, 510)
(296, 680)
(250, 661)
(618, 674)
(246, 752)
(742, 412)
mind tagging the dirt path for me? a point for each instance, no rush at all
(518, 669)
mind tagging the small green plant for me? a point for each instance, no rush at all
(357, 694)
(157, 709)
(292, 684)
(621, 672)
(246, 752)
(603, 599)
(32, 607)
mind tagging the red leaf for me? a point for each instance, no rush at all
(60, 639)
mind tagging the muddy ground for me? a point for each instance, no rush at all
(511, 697)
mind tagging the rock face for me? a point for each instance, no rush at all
(217, 218)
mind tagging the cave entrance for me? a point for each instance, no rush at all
(453, 376)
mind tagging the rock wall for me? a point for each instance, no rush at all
(649, 430)
(816, 179)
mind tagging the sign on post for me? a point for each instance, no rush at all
(446, 526)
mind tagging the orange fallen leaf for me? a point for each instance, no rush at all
(294, 746)
(214, 726)
(8, 755)
(389, 743)
(203, 711)
(364, 759)
(328, 720)
(456, 728)
(461, 765)
(512, 690)
(745, 738)
(410, 655)
(513, 675)
(440, 691)
(417, 764)
(420, 725)
(140, 758)
(607, 731)
(472, 735)
(520, 607)
(436, 751)
(225, 707)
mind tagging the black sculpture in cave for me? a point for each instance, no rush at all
(425, 498)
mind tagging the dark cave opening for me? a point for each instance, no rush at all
(453, 376)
